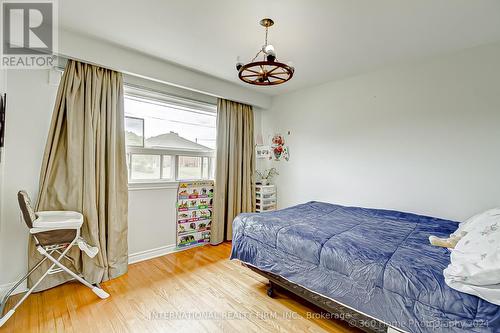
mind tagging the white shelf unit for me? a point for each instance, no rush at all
(266, 199)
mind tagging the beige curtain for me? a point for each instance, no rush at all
(235, 164)
(84, 169)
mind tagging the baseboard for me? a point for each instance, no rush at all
(152, 253)
(6, 287)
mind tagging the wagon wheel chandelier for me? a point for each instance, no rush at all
(266, 72)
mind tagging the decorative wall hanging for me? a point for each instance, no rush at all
(280, 151)
(263, 152)
(267, 72)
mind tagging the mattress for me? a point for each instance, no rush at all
(378, 262)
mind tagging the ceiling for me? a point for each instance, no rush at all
(325, 39)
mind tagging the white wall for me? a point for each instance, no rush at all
(152, 218)
(423, 137)
(3, 80)
(30, 100)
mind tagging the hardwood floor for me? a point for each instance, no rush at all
(197, 290)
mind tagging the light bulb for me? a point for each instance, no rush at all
(239, 64)
(269, 50)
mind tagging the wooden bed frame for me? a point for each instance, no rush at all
(354, 318)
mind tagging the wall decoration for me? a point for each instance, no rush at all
(194, 213)
(278, 148)
(2, 119)
(263, 152)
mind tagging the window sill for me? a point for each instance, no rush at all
(141, 186)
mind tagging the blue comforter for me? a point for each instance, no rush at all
(378, 262)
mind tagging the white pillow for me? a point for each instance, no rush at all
(474, 221)
(475, 260)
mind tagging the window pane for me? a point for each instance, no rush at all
(134, 132)
(212, 171)
(205, 168)
(166, 172)
(189, 167)
(145, 167)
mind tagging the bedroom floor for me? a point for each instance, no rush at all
(189, 283)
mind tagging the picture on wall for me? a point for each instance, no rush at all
(279, 149)
(262, 152)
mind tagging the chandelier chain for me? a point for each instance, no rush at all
(265, 44)
(256, 56)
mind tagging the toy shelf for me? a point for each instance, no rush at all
(194, 213)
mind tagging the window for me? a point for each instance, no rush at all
(145, 166)
(134, 131)
(166, 167)
(190, 167)
(168, 138)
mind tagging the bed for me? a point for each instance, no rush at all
(375, 265)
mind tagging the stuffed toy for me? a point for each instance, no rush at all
(449, 242)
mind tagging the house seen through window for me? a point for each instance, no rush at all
(168, 138)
